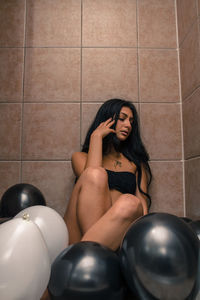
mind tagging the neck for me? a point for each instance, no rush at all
(114, 153)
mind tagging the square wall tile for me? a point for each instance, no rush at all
(109, 73)
(9, 175)
(190, 62)
(11, 74)
(192, 188)
(52, 74)
(51, 131)
(191, 125)
(54, 179)
(10, 131)
(12, 16)
(159, 79)
(166, 188)
(53, 23)
(109, 23)
(89, 111)
(186, 15)
(161, 130)
(157, 23)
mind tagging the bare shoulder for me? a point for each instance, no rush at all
(78, 162)
(79, 155)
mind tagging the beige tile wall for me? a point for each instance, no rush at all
(189, 44)
(12, 16)
(11, 74)
(52, 75)
(192, 187)
(187, 15)
(60, 60)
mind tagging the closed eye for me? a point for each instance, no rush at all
(123, 119)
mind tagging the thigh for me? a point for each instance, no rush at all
(71, 216)
(109, 230)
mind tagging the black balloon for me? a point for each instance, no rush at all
(186, 219)
(86, 271)
(19, 197)
(195, 225)
(159, 258)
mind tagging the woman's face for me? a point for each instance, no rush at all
(124, 123)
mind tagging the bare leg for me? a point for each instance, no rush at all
(70, 217)
(94, 198)
(90, 215)
(110, 229)
(89, 201)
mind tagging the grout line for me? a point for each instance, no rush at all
(69, 159)
(11, 47)
(47, 160)
(37, 160)
(192, 158)
(91, 102)
(23, 76)
(90, 47)
(166, 160)
(181, 111)
(64, 160)
(81, 76)
(44, 102)
(138, 65)
(183, 160)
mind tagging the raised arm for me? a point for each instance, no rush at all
(93, 158)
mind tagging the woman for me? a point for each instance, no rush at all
(113, 175)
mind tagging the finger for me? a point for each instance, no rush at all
(111, 123)
(108, 121)
(101, 125)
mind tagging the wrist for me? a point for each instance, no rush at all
(96, 135)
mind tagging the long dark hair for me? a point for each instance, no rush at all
(133, 148)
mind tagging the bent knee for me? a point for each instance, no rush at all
(128, 207)
(95, 176)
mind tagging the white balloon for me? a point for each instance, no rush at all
(24, 261)
(52, 227)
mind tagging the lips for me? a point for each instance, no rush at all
(125, 133)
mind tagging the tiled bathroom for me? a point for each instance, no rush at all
(60, 60)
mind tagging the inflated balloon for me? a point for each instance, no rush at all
(19, 197)
(24, 261)
(159, 258)
(196, 290)
(195, 225)
(186, 219)
(3, 220)
(52, 227)
(86, 271)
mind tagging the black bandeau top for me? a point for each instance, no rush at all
(124, 182)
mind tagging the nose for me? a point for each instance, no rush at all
(128, 123)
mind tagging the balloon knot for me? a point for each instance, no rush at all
(26, 217)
